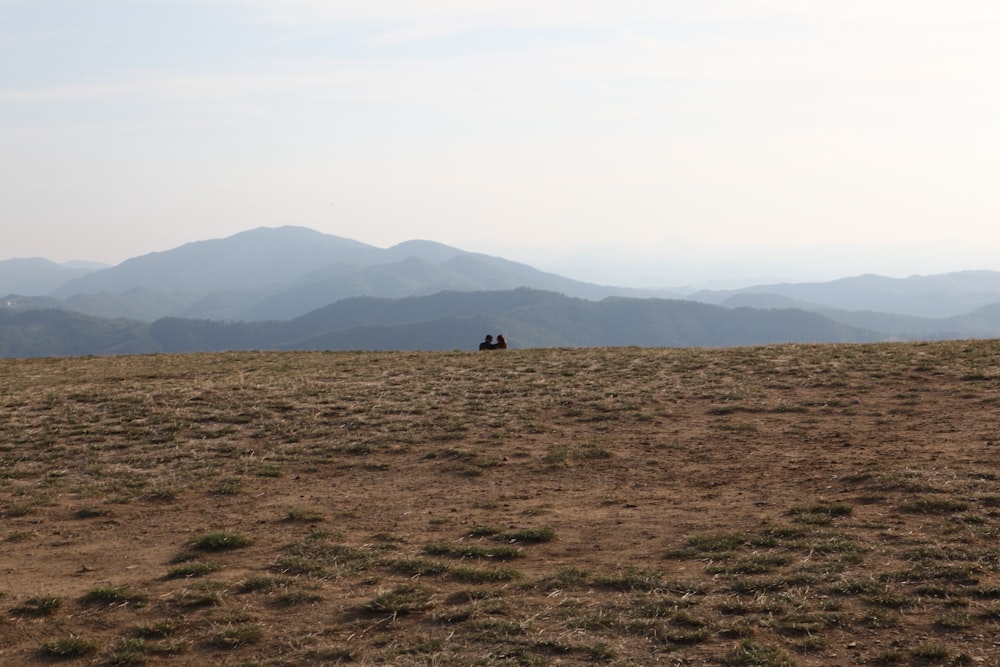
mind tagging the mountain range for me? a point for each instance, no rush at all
(295, 288)
(276, 274)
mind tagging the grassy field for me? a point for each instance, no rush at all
(779, 505)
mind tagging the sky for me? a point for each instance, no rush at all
(663, 140)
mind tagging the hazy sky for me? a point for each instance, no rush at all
(130, 126)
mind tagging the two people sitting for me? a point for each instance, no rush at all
(488, 344)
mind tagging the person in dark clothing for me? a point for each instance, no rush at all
(501, 343)
(487, 344)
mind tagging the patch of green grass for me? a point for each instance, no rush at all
(556, 454)
(114, 596)
(930, 653)
(820, 513)
(483, 575)
(664, 606)
(954, 621)
(834, 544)
(530, 535)
(404, 599)
(221, 540)
(753, 564)
(68, 647)
(890, 599)
(472, 551)
(686, 636)
(16, 510)
(986, 592)
(889, 657)
(990, 614)
(166, 648)
(19, 536)
(751, 603)
(752, 654)
(740, 427)
(292, 564)
(498, 629)
(635, 579)
(264, 583)
(807, 624)
(159, 629)
(236, 636)
(202, 593)
(813, 644)
(566, 576)
(128, 651)
(298, 597)
(304, 514)
(716, 542)
(564, 453)
(38, 605)
(589, 451)
(161, 495)
(420, 567)
(729, 409)
(319, 557)
(861, 586)
(228, 487)
(933, 505)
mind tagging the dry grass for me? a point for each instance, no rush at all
(781, 505)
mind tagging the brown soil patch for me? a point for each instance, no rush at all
(779, 505)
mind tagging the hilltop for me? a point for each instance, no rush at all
(775, 505)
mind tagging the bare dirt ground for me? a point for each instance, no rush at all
(780, 505)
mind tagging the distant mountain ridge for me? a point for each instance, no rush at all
(442, 321)
(944, 295)
(281, 273)
(254, 259)
(36, 276)
(292, 287)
